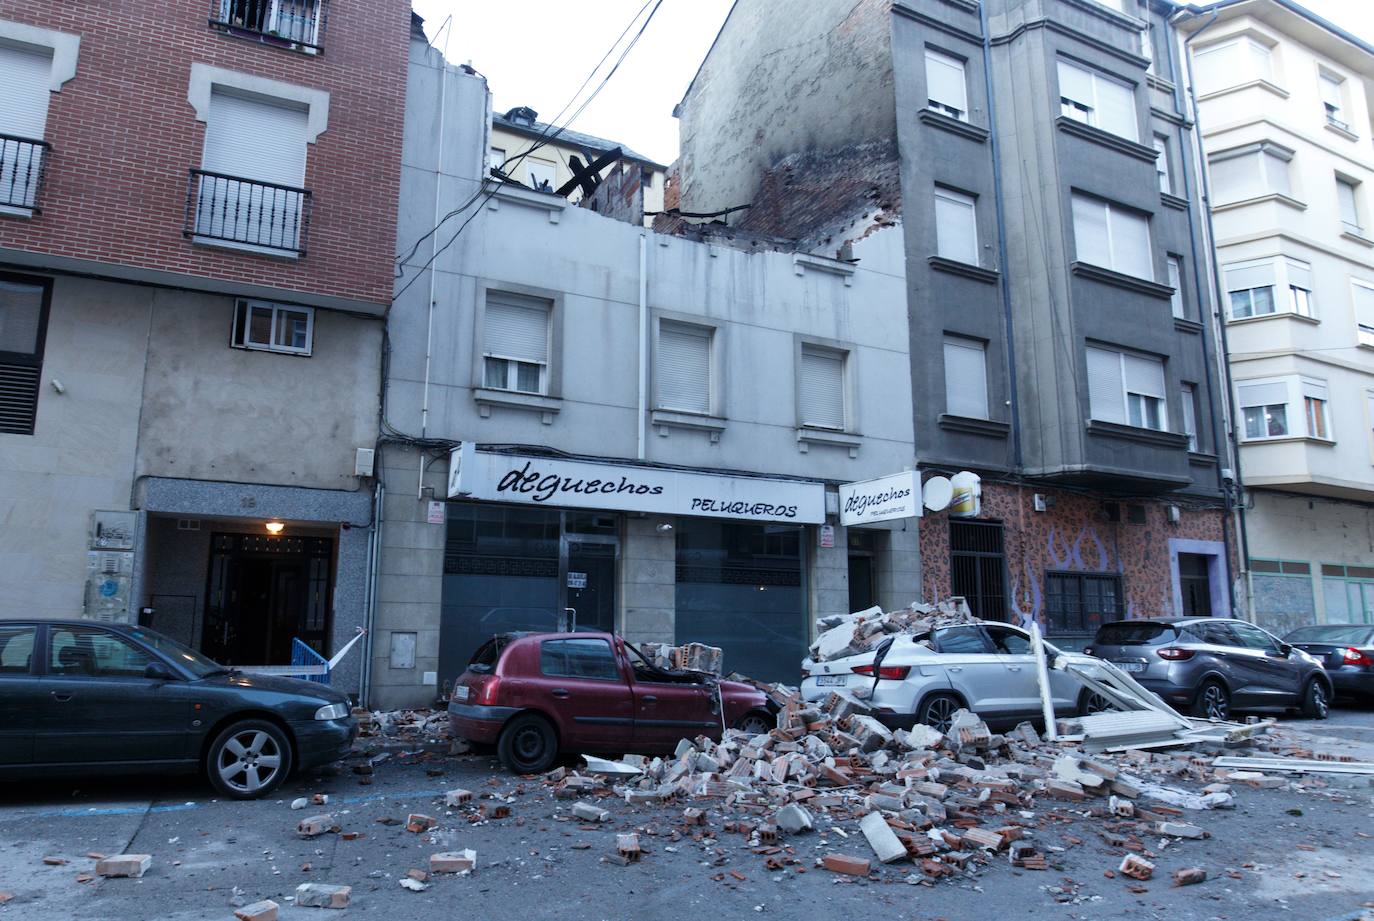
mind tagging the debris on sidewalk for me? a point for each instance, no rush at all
(1189, 876)
(132, 866)
(315, 825)
(322, 895)
(843, 635)
(266, 910)
(464, 861)
(1136, 867)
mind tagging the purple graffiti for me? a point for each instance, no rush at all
(1026, 610)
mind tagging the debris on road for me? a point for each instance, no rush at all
(417, 822)
(843, 635)
(464, 861)
(1136, 867)
(843, 863)
(131, 866)
(315, 825)
(266, 910)
(1190, 876)
(322, 895)
(690, 657)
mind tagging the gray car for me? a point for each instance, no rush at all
(1210, 665)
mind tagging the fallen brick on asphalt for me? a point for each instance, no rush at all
(132, 866)
(417, 822)
(322, 895)
(1190, 876)
(266, 910)
(464, 861)
(314, 825)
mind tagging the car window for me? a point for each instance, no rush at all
(1138, 633)
(585, 658)
(1354, 636)
(1009, 641)
(960, 640)
(1255, 638)
(1217, 634)
(16, 649)
(81, 652)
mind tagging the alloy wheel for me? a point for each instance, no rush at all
(1319, 702)
(940, 713)
(249, 761)
(1214, 702)
(1095, 703)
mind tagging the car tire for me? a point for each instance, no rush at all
(249, 759)
(528, 744)
(756, 723)
(1090, 702)
(937, 711)
(1212, 701)
(1316, 703)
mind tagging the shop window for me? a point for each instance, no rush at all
(1076, 604)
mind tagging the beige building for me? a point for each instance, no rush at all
(517, 130)
(1283, 101)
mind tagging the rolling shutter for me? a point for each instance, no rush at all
(966, 379)
(821, 388)
(1106, 401)
(25, 75)
(1299, 275)
(1270, 394)
(1131, 243)
(684, 367)
(1144, 375)
(956, 230)
(1244, 276)
(1075, 83)
(1116, 108)
(1091, 243)
(255, 139)
(945, 80)
(517, 328)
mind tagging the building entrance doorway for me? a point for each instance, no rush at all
(262, 593)
(1195, 584)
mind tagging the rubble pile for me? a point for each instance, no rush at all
(842, 635)
(692, 657)
(403, 725)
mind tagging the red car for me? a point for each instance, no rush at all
(537, 694)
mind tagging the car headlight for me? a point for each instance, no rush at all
(332, 712)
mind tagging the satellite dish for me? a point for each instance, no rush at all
(937, 493)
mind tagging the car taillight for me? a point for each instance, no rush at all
(892, 672)
(1174, 653)
(1353, 656)
(486, 692)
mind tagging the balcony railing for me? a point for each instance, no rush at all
(21, 171)
(290, 23)
(234, 210)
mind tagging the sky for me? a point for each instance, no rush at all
(536, 53)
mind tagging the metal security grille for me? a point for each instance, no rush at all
(1079, 603)
(18, 398)
(978, 567)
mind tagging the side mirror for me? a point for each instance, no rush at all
(156, 671)
(1285, 648)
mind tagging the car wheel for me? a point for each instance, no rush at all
(1213, 702)
(249, 759)
(937, 711)
(755, 723)
(1090, 702)
(1314, 700)
(528, 744)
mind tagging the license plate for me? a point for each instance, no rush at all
(460, 692)
(1130, 666)
(830, 681)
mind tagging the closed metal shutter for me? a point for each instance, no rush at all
(821, 390)
(1106, 400)
(966, 380)
(684, 367)
(24, 79)
(517, 328)
(255, 139)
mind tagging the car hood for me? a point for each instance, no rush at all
(277, 684)
(739, 688)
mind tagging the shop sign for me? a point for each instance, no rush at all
(827, 536)
(968, 495)
(883, 499)
(618, 487)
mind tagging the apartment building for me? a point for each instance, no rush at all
(1056, 275)
(636, 431)
(1283, 108)
(197, 230)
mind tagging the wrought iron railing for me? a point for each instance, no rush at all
(292, 23)
(21, 171)
(237, 210)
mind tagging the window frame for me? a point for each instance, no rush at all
(240, 329)
(945, 59)
(1112, 211)
(1298, 389)
(1268, 157)
(549, 382)
(1163, 169)
(952, 340)
(35, 358)
(1316, 395)
(1178, 302)
(1187, 392)
(711, 335)
(1333, 112)
(1299, 302)
(1160, 401)
(1364, 333)
(1351, 227)
(1081, 580)
(957, 198)
(1090, 110)
(1265, 73)
(847, 402)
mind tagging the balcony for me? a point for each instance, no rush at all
(21, 174)
(240, 213)
(294, 24)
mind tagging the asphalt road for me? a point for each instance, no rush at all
(1295, 854)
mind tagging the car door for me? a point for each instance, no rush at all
(1022, 683)
(100, 708)
(975, 670)
(1278, 677)
(21, 692)
(581, 683)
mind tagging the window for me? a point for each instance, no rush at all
(1188, 394)
(579, 659)
(1333, 93)
(88, 652)
(1008, 641)
(26, 75)
(1098, 100)
(249, 186)
(1232, 63)
(820, 393)
(946, 90)
(291, 21)
(1348, 200)
(956, 226)
(966, 378)
(1253, 637)
(1076, 604)
(1250, 172)
(684, 367)
(1166, 183)
(515, 343)
(16, 649)
(1264, 406)
(1127, 389)
(1363, 292)
(496, 158)
(1315, 408)
(1250, 288)
(961, 641)
(1111, 236)
(23, 329)
(539, 174)
(1299, 286)
(1176, 303)
(977, 566)
(273, 327)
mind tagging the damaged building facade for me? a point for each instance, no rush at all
(1037, 157)
(589, 421)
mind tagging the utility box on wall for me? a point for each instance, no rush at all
(110, 566)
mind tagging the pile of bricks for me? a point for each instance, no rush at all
(692, 657)
(843, 635)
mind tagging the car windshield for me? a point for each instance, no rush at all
(1134, 634)
(185, 656)
(1330, 634)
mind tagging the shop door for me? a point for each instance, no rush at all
(1195, 585)
(589, 581)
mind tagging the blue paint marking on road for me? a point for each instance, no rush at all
(73, 813)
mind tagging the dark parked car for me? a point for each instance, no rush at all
(536, 694)
(1210, 665)
(1346, 651)
(78, 697)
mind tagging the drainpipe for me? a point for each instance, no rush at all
(1219, 287)
(643, 342)
(433, 269)
(370, 595)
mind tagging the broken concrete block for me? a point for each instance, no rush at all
(1121, 807)
(981, 837)
(1190, 876)
(314, 825)
(414, 885)
(320, 799)
(589, 813)
(1136, 867)
(266, 910)
(464, 861)
(881, 838)
(417, 822)
(627, 846)
(457, 798)
(1179, 830)
(793, 819)
(920, 736)
(693, 816)
(322, 895)
(132, 866)
(844, 863)
(300, 802)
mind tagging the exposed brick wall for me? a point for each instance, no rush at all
(124, 136)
